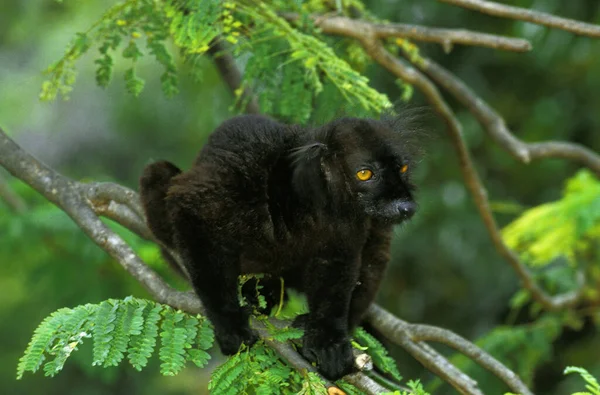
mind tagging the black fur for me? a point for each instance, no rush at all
(264, 197)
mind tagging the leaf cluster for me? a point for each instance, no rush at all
(119, 328)
(566, 228)
(287, 66)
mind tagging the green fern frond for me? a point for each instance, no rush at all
(42, 340)
(592, 384)
(173, 343)
(119, 326)
(103, 330)
(205, 338)
(74, 329)
(287, 333)
(312, 385)
(378, 353)
(348, 388)
(122, 333)
(222, 378)
(142, 344)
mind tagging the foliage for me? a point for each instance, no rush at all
(131, 327)
(592, 386)
(288, 68)
(565, 228)
(118, 327)
(260, 370)
(416, 388)
(378, 353)
(522, 348)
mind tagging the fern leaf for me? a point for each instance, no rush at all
(173, 340)
(134, 84)
(199, 357)
(312, 385)
(121, 333)
(378, 353)
(221, 381)
(592, 384)
(73, 330)
(42, 338)
(103, 330)
(348, 388)
(206, 335)
(142, 345)
(287, 333)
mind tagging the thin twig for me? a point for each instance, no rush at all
(231, 75)
(12, 200)
(446, 37)
(420, 332)
(411, 75)
(104, 192)
(365, 383)
(523, 14)
(396, 330)
(495, 126)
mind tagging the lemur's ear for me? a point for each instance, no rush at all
(308, 179)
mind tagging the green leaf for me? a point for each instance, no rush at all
(592, 384)
(378, 353)
(132, 51)
(142, 345)
(134, 84)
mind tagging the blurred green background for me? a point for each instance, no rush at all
(444, 272)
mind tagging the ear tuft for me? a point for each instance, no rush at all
(307, 176)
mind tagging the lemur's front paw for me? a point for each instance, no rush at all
(334, 360)
(230, 341)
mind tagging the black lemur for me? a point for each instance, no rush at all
(312, 205)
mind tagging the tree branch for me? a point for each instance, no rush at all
(411, 336)
(70, 196)
(231, 75)
(366, 36)
(422, 332)
(395, 330)
(446, 37)
(495, 126)
(523, 14)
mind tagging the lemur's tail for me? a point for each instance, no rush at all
(154, 184)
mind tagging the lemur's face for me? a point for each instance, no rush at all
(374, 165)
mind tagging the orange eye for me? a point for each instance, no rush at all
(364, 174)
(403, 169)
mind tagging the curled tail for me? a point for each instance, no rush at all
(154, 184)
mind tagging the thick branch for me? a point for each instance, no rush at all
(70, 196)
(523, 14)
(365, 35)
